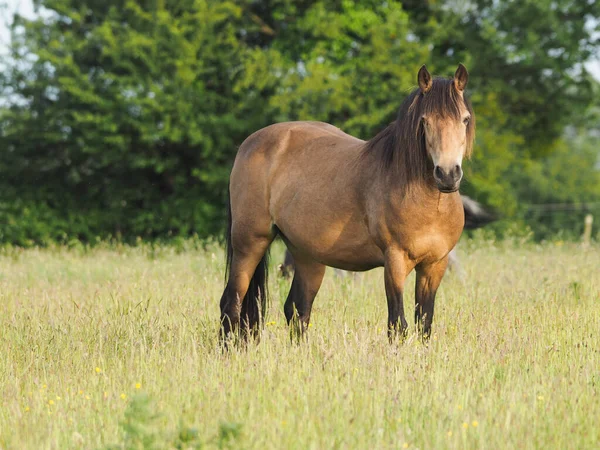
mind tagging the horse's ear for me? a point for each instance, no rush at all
(461, 78)
(424, 78)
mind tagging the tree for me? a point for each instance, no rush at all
(128, 115)
(123, 118)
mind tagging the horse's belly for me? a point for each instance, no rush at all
(346, 257)
(359, 258)
(342, 243)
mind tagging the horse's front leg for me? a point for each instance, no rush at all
(429, 277)
(397, 267)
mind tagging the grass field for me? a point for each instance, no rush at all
(116, 348)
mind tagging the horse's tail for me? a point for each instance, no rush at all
(475, 215)
(254, 304)
(228, 246)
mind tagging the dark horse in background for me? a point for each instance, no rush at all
(475, 217)
(339, 201)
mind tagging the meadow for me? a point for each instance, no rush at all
(116, 347)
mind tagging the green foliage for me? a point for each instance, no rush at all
(566, 182)
(142, 428)
(128, 116)
(122, 119)
(229, 432)
(350, 73)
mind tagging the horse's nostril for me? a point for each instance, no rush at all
(438, 172)
(457, 171)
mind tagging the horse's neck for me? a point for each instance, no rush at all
(421, 197)
(425, 194)
(392, 187)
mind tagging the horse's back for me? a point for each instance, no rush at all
(279, 153)
(285, 136)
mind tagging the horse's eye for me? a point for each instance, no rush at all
(466, 120)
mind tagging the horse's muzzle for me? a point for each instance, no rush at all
(448, 181)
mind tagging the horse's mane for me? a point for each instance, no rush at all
(401, 145)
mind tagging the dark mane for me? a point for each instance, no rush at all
(401, 145)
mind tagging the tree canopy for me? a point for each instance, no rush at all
(123, 118)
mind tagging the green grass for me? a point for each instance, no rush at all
(117, 348)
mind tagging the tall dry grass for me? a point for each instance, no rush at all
(116, 347)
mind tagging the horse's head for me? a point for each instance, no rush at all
(447, 124)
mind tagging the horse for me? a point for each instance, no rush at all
(475, 217)
(339, 201)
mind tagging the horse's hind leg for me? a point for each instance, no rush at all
(247, 260)
(308, 277)
(287, 267)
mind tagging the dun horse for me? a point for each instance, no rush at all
(339, 201)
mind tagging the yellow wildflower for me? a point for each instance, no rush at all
(540, 397)
(123, 396)
(405, 445)
(450, 433)
(27, 409)
(475, 423)
(465, 425)
(51, 402)
(98, 370)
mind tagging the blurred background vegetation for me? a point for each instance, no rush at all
(122, 118)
